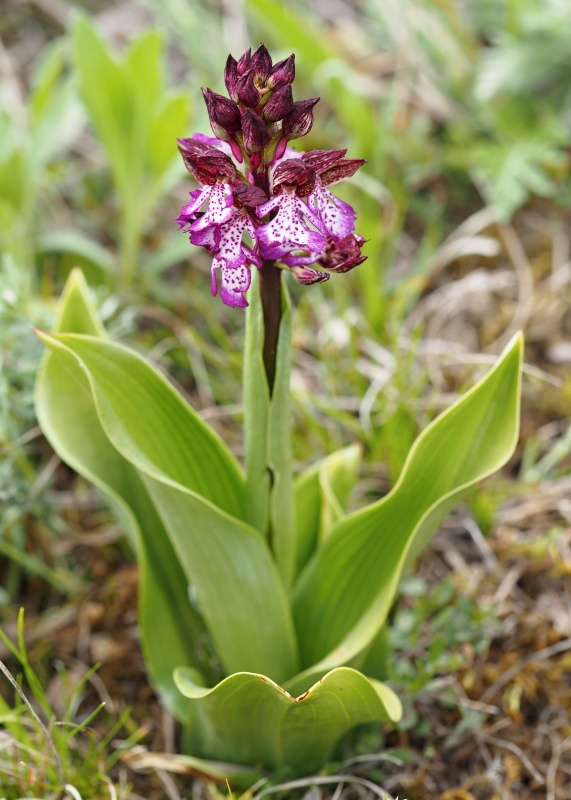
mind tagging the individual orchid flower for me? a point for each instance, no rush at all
(252, 182)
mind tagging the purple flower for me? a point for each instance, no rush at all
(234, 258)
(288, 232)
(301, 223)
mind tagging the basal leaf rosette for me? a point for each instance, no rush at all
(250, 719)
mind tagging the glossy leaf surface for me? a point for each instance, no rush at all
(198, 492)
(344, 595)
(69, 419)
(249, 719)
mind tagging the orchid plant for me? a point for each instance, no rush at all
(263, 604)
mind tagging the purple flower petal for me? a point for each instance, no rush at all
(288, 230)
(219, 207)
(233, 282)
(337, 217)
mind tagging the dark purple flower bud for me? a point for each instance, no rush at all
(231, 76)
(307, 276)
(246, 91)
(293, 172)
(279, 104)
(261, 65)
(254, 132)
(250, 196)
(300, 119)
(343, 254)
(210, 168)
(244, 62)
(344, 168)
(224, 115)
(195, 147)
(283, 73)
(322, 159)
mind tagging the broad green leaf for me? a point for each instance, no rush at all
(68, 418)
(198, 492)
(337, 477)
(154, 428)
(321, 496)
(75, 312)
(256, 414)
(282, 511)
(239, 590)
(249, 719)
(344, 594)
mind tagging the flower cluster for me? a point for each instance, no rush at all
(252, 182)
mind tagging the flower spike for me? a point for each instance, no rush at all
(252, 182)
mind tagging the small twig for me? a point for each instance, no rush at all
(169, 785)
(57, 760)
(321, 780)
(558, 751)
(517, 751)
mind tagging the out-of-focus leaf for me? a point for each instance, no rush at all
(74, 242)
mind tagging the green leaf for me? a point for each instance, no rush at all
(343, 596)
(337, 477)
(321, 497)
(78, 244)
(68, 417)
(154, 428)
(256, 414)
(105, 91)
(267, 435)
(198, 492)
(249, 719)
(239, 590)
(282, 511)
(56, 115)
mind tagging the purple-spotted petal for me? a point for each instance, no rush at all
(229, 246)
(208, 237)
(190, 210)
(219, 207)
(337, 217)
(288, 230)
(233, 282)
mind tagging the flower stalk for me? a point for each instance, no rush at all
(271, 294)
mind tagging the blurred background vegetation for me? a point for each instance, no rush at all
(462, 109)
